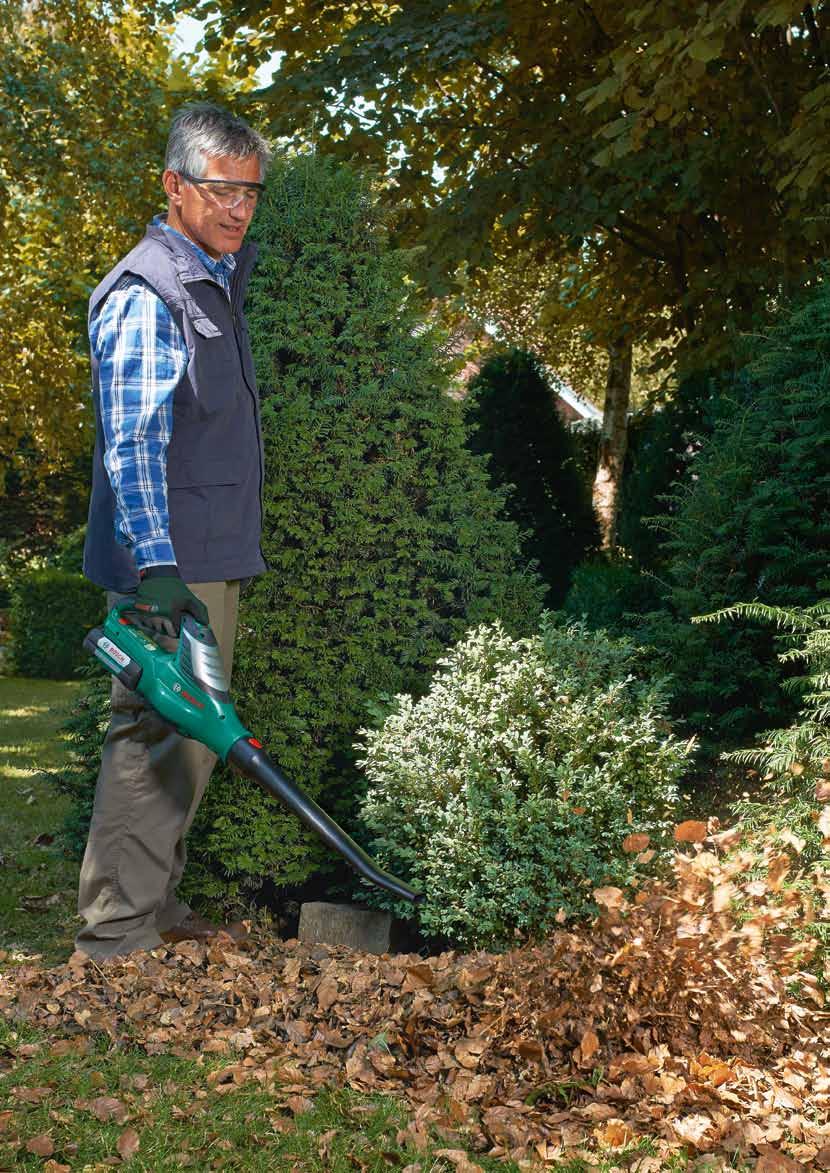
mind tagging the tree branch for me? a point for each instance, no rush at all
(762, 79)
(646, 233)
(493, 72)
(589, 12)
(815, 36)
(462, 109)
(470, 120)
(634, 244)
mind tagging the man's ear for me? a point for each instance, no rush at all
(172, 183)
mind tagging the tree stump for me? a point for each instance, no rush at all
(345, 924)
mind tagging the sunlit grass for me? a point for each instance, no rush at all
(31, 742)
(181, 1119)
(13, 773)
(28, 711)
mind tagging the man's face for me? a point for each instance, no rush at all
(196, 210)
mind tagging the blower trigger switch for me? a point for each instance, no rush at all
(253, 741)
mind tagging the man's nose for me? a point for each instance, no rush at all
(241, 211)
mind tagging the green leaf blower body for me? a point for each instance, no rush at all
(188, 688)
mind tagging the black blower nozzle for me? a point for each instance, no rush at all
(254, 763)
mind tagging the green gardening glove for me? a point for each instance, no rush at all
(162, 593)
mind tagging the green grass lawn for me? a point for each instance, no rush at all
(38, 882)
(91, 1105)
(87, 1102)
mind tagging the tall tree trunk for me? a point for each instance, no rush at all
(613, 440)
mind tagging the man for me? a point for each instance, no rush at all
(175, 512)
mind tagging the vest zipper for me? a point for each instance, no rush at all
(235, 300)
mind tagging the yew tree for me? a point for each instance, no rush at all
(676, 153)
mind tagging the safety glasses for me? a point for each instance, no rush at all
(228, 193)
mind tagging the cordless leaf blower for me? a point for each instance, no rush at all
(187, 688)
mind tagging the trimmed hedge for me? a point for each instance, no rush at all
(51, 612)
(384, 535)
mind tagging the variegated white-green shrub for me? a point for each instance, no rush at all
(506, 792)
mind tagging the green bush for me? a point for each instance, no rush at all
(606, 590)
(384, 535)
(507, 791)
(511, 408)
(794, 762)
(68, 553)
(751, 520)
(85, 729)
(51, 612)
(40, 511)
(663, 440)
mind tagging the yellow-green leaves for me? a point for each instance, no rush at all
(82, 135)
(706, 48)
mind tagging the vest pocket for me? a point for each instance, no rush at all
(215, 371)
(187, 474)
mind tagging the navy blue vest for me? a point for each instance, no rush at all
(215, 458)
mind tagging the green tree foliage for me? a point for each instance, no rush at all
(82, 129)
(383, 534)
(660, 165)
(663, 440)
(751, 521)
(512, 409)
(509, 791)
(680, 172)
(551, 307)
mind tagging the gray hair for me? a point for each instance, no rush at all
(202, 131)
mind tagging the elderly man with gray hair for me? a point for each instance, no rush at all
(175, 512)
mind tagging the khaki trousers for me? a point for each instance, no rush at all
(149, 787)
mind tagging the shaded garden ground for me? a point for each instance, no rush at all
(59, 1117)
(683, 1029)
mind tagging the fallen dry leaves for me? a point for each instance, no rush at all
(40, 1145)
(669, 1016)
(128, 1143)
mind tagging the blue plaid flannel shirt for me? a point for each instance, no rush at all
(142, 357)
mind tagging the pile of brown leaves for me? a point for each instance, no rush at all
(670, 1016)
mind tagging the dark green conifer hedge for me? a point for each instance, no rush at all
(511, 408)
(385, 539)
(51, 612)
(750, 522)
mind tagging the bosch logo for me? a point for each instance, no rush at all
(177, 688)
